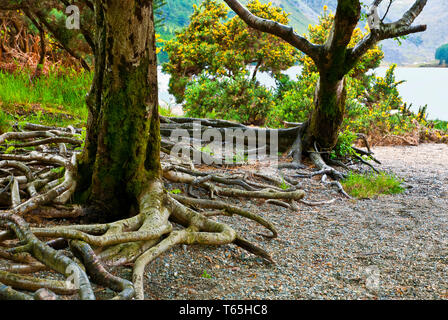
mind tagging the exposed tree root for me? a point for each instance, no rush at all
(38, 185)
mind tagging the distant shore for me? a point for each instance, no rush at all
(433, 64)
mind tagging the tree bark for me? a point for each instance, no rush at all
(121, 155)
(326, 119)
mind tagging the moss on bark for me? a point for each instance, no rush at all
(121, 155)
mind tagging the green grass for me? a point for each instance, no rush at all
(364, 186)
(51, 99)
(55, 100)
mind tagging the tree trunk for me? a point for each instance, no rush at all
(326, 119)
(122, 151)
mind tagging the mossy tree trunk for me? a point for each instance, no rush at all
(326, 119)
(122, 150)
(327, 116)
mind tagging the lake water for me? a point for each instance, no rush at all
(423, 86)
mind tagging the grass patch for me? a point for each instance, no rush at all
(363, 186)
(55, 91)
(57, 99)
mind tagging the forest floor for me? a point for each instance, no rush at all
(391, 247)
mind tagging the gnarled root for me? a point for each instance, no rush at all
(39, 184)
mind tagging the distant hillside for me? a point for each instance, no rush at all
(178, 12)
(418, 48)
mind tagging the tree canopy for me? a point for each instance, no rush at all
(225, 47)
(442, 54)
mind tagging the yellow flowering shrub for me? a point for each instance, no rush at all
(225, 47)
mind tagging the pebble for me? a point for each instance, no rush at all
(404, 236)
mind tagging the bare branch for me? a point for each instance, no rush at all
(285, 32)
(401, 27)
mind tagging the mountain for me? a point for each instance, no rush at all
(419, 48)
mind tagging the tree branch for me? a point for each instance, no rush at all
(285, 32)
(346, 19)
(398, 28)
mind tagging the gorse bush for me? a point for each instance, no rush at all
(237, 99)
(209, 63)
(225, 47)
(294, 100)
(374, 106)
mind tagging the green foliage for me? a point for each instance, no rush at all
(82, 137)
(175, 15)
(284, 186)
(375, 115)
(437, 124)
(57, 98)
(225, 47)
(4, 122)
(9, 150)
(58, 170)
(206, 149)
(442, 54)
(166, 111)
(386, 89)
(61, 94)
(206, 275)
(176, 191)
(370, 185)
(374, 106)
(237, 99)
(343, 148)
(294, 100)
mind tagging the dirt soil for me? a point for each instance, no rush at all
(393, 247)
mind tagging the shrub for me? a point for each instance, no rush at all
(344, 147)
(225, 46)
(236, 99)
(294, 100)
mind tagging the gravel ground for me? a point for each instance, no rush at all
(394, 247)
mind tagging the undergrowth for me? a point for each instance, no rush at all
(55, 99)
